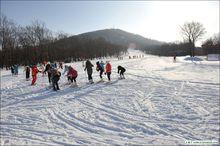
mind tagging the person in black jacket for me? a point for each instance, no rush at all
(27, 71)
(12, 70)
(121, 71)
(88, 67)
(48, 70)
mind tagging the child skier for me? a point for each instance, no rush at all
(121, 71)
(72, 75)
(100, 69)
(34, 74)
(27, 71)
(48, 70)
(55, 77)
(108, 70)
(88, 67)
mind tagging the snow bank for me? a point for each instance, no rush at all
(188, 58)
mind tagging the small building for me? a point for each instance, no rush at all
(213, 51)
(213, 57)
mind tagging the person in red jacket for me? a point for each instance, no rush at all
(34, 74)
(108, 69)
(72, 74)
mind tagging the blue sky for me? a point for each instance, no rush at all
(156, 20)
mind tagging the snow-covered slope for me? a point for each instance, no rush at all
(159, 102)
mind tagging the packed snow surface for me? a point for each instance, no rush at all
(159, 103)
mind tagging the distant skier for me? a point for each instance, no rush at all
(99, 68)
(174, 58)
(48, 70)
(108, 70)
(44, 63)
(54, 65)
(121, 71)
(27, 72)
(16, 69)
(88, 67)
(55, 77)
(42, 67)
(12, 70)
(72, 74)
(83, 64)
(66, 68)
(102, 65)
(61, 65)
(34, 74)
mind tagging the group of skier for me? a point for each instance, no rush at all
(102, 68)
(50, 69)
(54, 74)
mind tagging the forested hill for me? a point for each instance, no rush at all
(76, 48)
(100, 43)
(120, 37)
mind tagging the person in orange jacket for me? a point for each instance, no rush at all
(34, 74)
(108, 70)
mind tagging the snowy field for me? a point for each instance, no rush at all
(159, 103)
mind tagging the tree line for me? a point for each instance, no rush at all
(36, 43)
(168, 49)
(212, 45)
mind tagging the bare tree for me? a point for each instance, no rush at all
(41, 33)
(212, 44)
(192, 32)
(216, 38)
(8, 39)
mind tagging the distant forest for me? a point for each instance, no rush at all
(171, 49)
(35, 43)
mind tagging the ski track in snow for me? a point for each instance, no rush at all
(159, 102)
